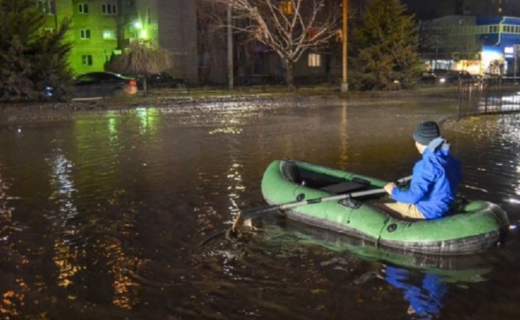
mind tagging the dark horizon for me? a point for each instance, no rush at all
(427, 10)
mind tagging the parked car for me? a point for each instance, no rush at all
(455, 76)
(160, 80)
(428, 78)
(97, 85)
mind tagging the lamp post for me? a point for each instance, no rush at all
(230, 47)
(344, 83)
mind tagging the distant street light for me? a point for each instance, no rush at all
(344, 83)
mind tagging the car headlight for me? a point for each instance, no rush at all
(442, 80)
(49, 92)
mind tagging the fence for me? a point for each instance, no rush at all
(489, 95)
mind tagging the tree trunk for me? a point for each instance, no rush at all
(145, 87)
(289, 76)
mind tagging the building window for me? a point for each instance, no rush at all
(109, 34)
(129, 3)
(86, 60)
(84, 34)
(83, 8)
(47, 6)
(109, 9)
(314, 60)
(286, 7)
(493, 29)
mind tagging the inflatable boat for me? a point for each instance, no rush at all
(474, 226)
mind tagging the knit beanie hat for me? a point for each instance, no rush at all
(426, 132)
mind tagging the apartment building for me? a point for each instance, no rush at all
(170, 23)
(103, 28)
(478, 44)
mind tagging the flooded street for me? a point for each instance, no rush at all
(122, 215)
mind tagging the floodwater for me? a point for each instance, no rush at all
(122, 215)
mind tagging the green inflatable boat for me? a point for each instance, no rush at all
(477, 226)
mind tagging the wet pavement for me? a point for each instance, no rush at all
(121, 214)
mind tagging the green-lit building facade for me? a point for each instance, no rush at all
(102, 28)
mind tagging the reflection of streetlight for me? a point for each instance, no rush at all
(344, 83)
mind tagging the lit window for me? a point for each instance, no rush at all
(86, 60)
(47, 6)
(286, 7)
(109, 34)
(84, 34)
(83, 8)
(109, 9)
(314, 60)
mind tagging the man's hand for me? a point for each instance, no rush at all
(389, 187)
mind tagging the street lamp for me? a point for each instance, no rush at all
(344, 83)
(138, 28)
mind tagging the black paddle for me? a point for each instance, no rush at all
(252, 213)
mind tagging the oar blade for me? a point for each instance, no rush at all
(253, 213)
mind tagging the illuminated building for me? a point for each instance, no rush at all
(102, 28)
(427, 10)
(478, 44)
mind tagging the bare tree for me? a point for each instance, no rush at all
(289, 27)
(142, 58)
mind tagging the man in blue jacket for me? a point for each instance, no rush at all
(435, 177)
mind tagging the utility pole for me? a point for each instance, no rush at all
(344, 83)
(230, 47)
(517, 53)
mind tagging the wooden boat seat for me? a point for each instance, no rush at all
(343, 187)
(331, 184)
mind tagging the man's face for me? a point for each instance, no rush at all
(419, 147)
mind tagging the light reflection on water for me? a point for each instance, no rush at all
(104, 214)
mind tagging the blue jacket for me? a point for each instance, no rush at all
(434, 181)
